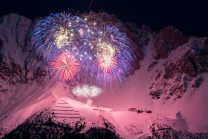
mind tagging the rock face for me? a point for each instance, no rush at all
(182, 67)
(165, 41)
(184, 61)
(15, 68)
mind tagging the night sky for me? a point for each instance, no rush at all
(189, 16)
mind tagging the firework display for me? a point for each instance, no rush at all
(65, 66)
(112, 55)
(73, 45)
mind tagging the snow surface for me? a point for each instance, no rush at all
(126, 124)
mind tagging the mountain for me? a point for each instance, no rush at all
(169, 79)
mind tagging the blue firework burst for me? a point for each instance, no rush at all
(99, 49)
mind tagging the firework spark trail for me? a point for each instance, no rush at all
(65, 66)
(98, 48)
(59, 32)
(111, 54)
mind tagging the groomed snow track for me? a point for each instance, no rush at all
(64, 112)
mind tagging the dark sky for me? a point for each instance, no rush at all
(189, 16)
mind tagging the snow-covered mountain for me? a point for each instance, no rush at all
(170, 80)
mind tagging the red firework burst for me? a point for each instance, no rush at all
(65, 66)
(106, 63)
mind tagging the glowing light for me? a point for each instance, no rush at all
(89, 102)
(86, 91)
(107, 49)
(61, 37)
(106, 63)
(81, 32)
(65, 67)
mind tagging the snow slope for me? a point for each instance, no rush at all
(125, 124)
